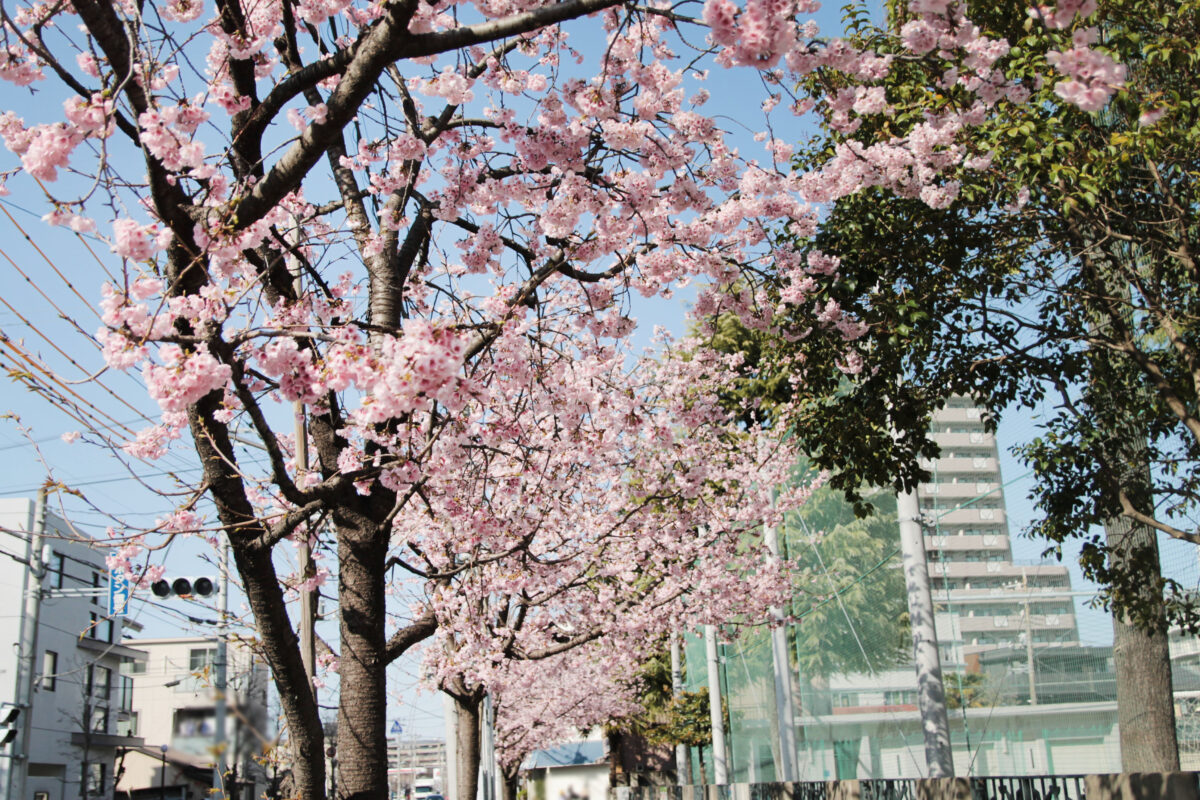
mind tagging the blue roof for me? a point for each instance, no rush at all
(566, 755)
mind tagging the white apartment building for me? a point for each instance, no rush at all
(80, 700)
(174, 707)
(990, 601)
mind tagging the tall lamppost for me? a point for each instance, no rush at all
(162, 782)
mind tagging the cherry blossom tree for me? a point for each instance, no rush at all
(417, 228)
(544, 703)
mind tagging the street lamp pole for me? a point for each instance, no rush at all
(162, 781)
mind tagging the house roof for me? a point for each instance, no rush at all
(571, 754)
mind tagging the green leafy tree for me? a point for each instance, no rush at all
(966, 689)
(852, 608)
(1062, 273)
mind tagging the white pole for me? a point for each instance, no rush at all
(784, 701)
(1033, 698)
(450, 789)
(487, 753)
(683, 756)
(720, 766)
(931, 694)
(308, 651)
(220, 677)
(27, 661)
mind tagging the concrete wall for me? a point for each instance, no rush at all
(582, 782)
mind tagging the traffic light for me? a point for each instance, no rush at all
(8, 725)
(184, 587)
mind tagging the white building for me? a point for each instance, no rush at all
(174, 705)
(994, 602)
(80, 701)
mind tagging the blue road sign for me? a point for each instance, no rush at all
(118, 592)
(397, 728)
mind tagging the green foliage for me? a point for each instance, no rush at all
(669, 720)
(855, 589)
(966, 689)
(1064, 272)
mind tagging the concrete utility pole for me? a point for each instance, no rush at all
(931, 693)
(308, 651)
(784, 701)
(221, 678)
(450, 781)
(683, 756)
(27, 658)
(487, 760)
(716, 710)
(1033, 698)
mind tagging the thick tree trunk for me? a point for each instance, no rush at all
(1141, 657)
(264, 594)
(617, 775)
(511, 785)
(362, 711)
(1145, 703)
(467, 739)
(282, 651)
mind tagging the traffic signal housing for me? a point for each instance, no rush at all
(202, 586)
(8, 725)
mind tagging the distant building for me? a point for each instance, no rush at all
(411, 760)
(174, 705)
(81, 702)
(987, 600)
(571, 771)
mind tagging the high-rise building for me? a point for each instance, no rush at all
(990, 600)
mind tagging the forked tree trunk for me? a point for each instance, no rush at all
(362, 710)
(511, 784)
(467, 740)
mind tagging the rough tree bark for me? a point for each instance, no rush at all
(1145, 703)
(362, 713)
(511, 784)
(468, 706)
(1141, 655)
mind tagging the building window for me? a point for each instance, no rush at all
(195, 722)
(128, 727)
(99, 681)
(92, 777)
(99, 720)
(49, 670)
(845, 699)
(200, 660)
(135, 668)
(97, 583)
(56, 570)
(101, 628)
(125, 695)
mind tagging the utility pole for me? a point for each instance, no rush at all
(931, 693)
(784, 701)
(450, 714)
(487, 760)
(27, 659)
(220, 678)
(308, 652)
(716, 708)
(683, 755)
(1033, 698)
